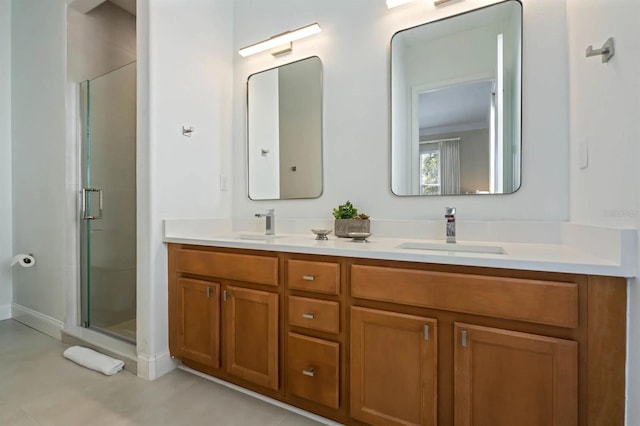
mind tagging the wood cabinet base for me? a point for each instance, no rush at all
(398, 343)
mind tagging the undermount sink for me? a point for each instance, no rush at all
(258, 237)
(467, 248)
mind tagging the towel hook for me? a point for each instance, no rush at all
(607, 50)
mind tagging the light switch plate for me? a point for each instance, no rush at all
(224, 183)
(584, 155)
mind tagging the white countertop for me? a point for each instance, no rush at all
(564, 257)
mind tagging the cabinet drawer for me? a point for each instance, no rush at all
(320, 277)
(238, 267)
(313, 369)
(315, 314)
(545, 302)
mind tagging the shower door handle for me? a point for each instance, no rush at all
(85, 200)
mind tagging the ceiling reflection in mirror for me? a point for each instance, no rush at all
(284, 131)
(456, 104)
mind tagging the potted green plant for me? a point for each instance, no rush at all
(348, 220)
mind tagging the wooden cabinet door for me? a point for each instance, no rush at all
(506, 378)
(314, 369)
(198, 316)
(251, 330)
(393, 368)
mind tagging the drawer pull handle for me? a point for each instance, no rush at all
(308, 316)
(309, 372)
(308, 277)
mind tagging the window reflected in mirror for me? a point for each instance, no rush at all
(456, 104)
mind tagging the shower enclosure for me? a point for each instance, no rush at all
(108, 203)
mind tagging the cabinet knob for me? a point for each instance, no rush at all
(308, 316)
(309, 372)
(308, 277)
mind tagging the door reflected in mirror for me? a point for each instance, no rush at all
(456, 104)
(284, 131)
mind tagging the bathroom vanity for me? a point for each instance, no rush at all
(369, 335)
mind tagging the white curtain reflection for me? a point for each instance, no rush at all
(450, 166)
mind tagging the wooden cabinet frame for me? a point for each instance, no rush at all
(598, 324)
(198, 308)
(550, 370)
(189, 263)
(243, 345)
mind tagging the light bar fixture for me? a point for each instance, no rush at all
(280, 40)
(395, 3)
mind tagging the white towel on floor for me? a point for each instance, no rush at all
(93, 360)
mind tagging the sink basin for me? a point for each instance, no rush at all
(258, 237)
(467, 248)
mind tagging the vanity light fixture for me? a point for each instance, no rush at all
(285, 39)
(395, 3)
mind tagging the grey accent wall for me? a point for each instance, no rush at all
(474, 158)
(41, 218)
(300, 95)
(6, 243)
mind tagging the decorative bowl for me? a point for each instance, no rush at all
(359, 237)
(321, 234)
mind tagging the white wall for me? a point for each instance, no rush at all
(264, 128)
(40, 215)
(463, 60)
(605, 107)
(401, 154)
(6, 246)
(185, 63)
(354, 49)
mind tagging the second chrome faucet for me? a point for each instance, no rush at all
(450, 215)
(270, 225)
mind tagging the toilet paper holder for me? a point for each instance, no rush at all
(25, 260)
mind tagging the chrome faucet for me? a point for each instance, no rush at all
(450, 215)
(270, 222)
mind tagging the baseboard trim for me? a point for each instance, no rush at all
(150, 368)
(261, 397)
(34, 319)
(5, 312)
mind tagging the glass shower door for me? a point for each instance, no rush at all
(108, 203)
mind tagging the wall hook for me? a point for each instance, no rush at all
(607, 50)
(187, 130)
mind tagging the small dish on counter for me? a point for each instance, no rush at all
(321, 234)
(359, 237)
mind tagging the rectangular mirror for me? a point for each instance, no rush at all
(456, 104)
(284, 131)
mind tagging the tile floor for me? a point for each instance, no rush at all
(40, 387)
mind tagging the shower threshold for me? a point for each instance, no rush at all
(125, 330)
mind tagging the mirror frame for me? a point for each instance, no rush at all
(247, 147)
(519, 110)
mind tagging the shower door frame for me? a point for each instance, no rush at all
(86, 196)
